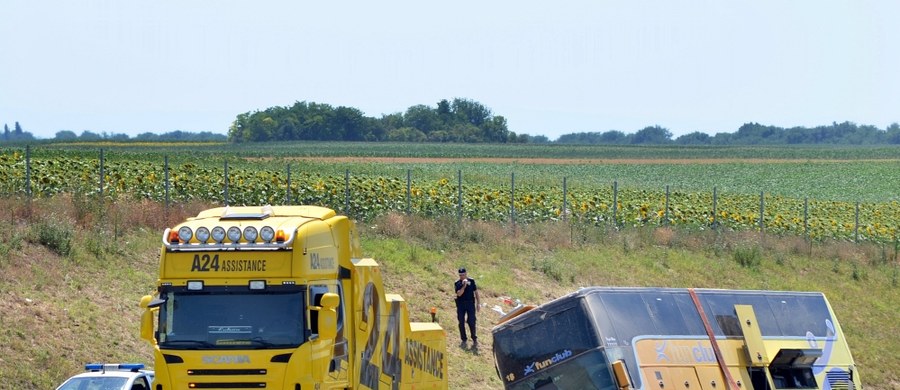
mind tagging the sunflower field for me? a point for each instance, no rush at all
(368, 192)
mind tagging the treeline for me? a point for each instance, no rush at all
(16, 135)
(846, 133)
(464, 120)
(459, 120)
(177, 135)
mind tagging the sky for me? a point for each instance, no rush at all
(549, 68)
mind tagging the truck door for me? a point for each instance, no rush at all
(340, 364)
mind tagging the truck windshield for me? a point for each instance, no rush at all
(588, 371)
(231, 320)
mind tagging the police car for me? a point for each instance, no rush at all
(99, 376)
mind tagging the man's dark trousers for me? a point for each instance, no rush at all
(465, 313)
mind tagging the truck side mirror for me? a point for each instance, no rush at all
(328, 316)
(147, 320)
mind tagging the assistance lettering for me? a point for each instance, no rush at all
(207, 263)
(424, 358)
(244, 265)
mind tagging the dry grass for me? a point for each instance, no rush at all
(60, 312)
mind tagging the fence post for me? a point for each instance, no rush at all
(715, 213)
(565, 209)
(287, 199)
(408, 190)
(666, 222)
(856, 224)
(762, 208)
(226, 184)
(806, 217)
(512, 199)
(459, 196)
(28, 171)
(615, 203)
(347, 192)
(166, 178)
(101, 173)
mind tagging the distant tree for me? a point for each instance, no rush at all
(540, 139)
(17, 134)
(350, 125)
(65, 135)
(495, 129)
(423, 118)
(440, 136)
(892, 135)
(444, 112)
(147, 137)
(613, 137)
(406, 134)
(469, 111)
(88, 135)
(695, 138)
(392, 121)
(652, 135)
(579, 138)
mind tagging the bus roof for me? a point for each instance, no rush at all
(565, 301)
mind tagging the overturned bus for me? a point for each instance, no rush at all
(667, 338)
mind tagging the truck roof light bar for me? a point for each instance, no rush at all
(217, 241)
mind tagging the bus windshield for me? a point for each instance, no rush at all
(231, 320)
(588, 371)
(541, 340)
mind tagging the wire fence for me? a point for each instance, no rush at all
(366, 196)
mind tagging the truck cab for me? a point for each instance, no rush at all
(281, 297)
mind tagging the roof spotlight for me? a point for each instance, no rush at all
(202, 235)
(250, 234)
(234, 234)
(185, 234)
(218, 234)
(267, 234)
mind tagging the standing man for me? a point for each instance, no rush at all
(468, 301)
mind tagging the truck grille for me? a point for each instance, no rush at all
(251, 371)
(227, 385)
